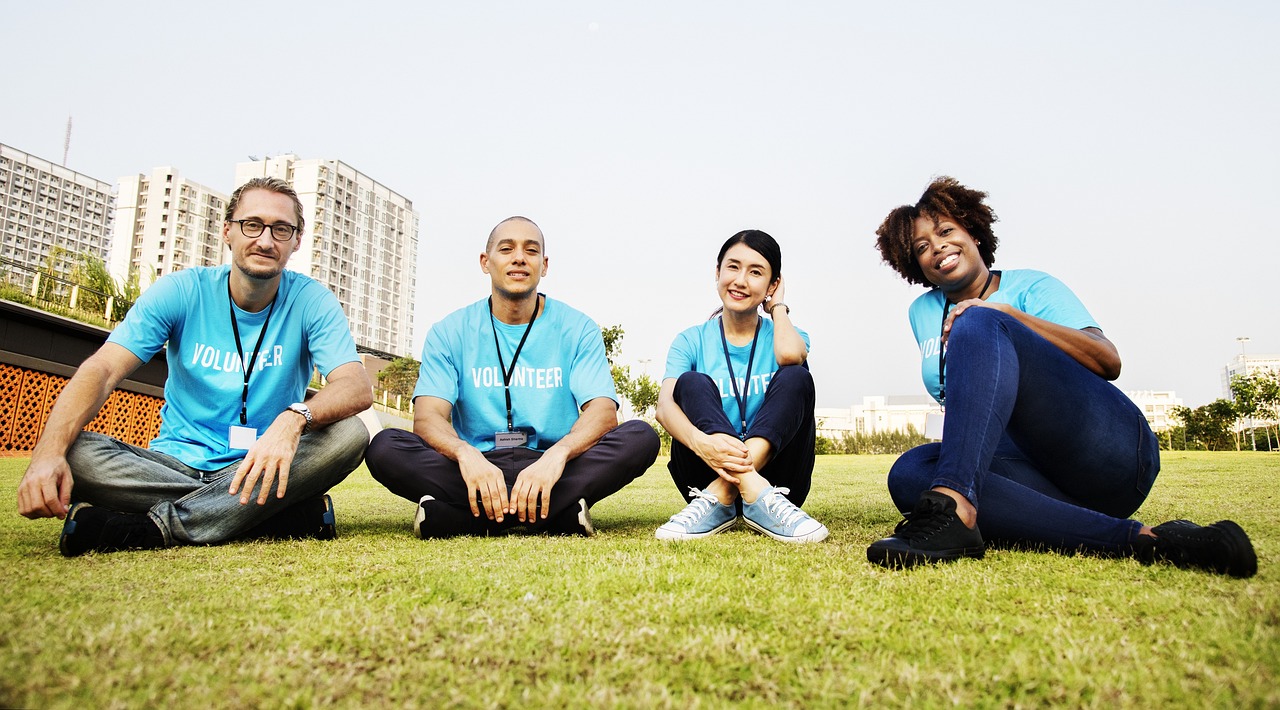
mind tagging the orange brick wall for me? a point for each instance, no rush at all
(26, 396)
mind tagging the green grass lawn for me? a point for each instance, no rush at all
(378, 617)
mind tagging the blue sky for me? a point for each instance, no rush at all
(1129, 147)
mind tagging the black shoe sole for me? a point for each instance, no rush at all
(896, 557)
(66, 545)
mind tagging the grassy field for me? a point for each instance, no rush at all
(380, 618)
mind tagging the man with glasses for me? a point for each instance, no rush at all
(239, 453)
(515, 414)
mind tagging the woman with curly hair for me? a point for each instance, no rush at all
(1037, 445)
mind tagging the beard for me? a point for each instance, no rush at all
(261, 273)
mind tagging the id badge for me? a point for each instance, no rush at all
(242, 437)
(933, 426)
(521, 436)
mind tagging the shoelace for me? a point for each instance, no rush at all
(697, 508)
(784, 510)
(927, 519)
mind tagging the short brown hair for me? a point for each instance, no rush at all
(945, 198)
(271, 185)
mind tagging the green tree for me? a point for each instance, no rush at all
(400, 376)
(1257, 396)
(1210, 426)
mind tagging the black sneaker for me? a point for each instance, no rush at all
(1223, 547)
(312, 518)
(574, 521)
(931, 533)
(435, 520)
(99, 530)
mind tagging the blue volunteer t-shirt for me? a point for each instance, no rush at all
(1029, 291)
(700, 349)
(190, 309)
(561, 367)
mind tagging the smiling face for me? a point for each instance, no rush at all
(743, 279)
(261, 257)
(515, 260)
(946, 253)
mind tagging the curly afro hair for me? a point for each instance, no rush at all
(945, 198)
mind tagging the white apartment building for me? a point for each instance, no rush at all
(877, 414)
(361, 241)
(1247, 365)
(1157, 406)
(45, 207)
(165, 223)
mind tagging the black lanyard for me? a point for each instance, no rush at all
(942, 352)
(506, 374)
(738, 395)
(247, 366)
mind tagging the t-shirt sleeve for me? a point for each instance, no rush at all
(589, 375)
(328, 332)
(438, 373)
(152, 319)
(683, 355)
(1048, 298)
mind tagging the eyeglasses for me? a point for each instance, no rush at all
(252, 228)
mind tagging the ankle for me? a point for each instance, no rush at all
(964, 509)
(750, 486)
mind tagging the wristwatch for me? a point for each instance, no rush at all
(305, 411)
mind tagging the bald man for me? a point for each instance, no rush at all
(515, 411)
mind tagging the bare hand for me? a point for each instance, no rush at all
(45, 489)
(269, 459)
(535, 482)
(963, 306)
(485, 479)
(725, 454)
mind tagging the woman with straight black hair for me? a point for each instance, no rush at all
(738, 401)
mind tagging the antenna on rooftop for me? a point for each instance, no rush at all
(66, 143)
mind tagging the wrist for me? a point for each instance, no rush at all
(777, 304)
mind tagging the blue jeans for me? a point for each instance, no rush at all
(193, 507)
(1049, 452)
(785, 420)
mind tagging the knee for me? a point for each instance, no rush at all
(912, 474)
(974, 322)
(691, 382)
(639, 439)
(350, 438)
(794, 379)
(385, 445)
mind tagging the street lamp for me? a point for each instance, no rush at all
(1244, 370)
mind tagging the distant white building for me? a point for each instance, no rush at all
(1247, 365)
(1156, 406)
(361, 241)
(45, 207)
(165, 223)
(877, 414)
(882, 414)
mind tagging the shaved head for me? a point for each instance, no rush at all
(493, 235)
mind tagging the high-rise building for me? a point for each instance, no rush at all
(165, 223)
(361, 240)
(46, 209)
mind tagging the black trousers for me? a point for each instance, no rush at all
(785, 420)
(402, 461)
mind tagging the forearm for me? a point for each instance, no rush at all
(77, 405)
(1093, 350)
(788, 346)
(673, 419)
(598, 418)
